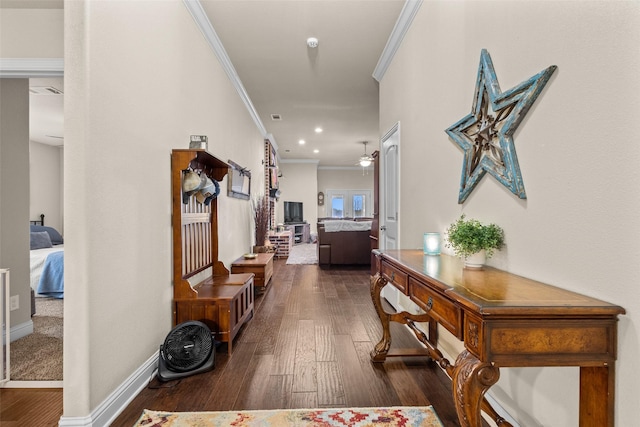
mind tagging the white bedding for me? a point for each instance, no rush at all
(331, 226)
(37, 259)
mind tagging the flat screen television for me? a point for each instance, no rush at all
(293, 212)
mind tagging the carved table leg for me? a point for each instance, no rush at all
(471, 379)
(379, 352)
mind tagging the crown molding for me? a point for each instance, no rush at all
(31, 67)
(273, 142)
(299, 161)
(344, 168)
(408, 12)
(202, 21)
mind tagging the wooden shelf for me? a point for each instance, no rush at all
(301, 232)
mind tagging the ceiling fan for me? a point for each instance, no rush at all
(365, 160)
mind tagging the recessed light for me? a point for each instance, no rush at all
(318, 129)
(316, 151)
(312, 42)
(301, 142)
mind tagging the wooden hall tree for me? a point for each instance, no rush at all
(203, 288)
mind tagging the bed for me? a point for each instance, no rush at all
(46, 260)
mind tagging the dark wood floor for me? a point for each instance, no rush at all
(307, 346)
(30, 407)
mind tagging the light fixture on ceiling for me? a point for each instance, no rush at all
(312, 42)
(365, 160)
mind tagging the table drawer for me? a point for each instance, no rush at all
(442, 310)
(395, 276)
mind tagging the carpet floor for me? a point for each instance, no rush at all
(38, 356)
(304, 253)
(414, 416)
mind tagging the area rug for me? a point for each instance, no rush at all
(304, 253)
(404, 416)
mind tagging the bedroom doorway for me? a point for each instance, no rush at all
(46, 161)
(27, 361)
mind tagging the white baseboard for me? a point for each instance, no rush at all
(18, 331)
(32, 384)
(117, 401)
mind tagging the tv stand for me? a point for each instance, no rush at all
(301, 232)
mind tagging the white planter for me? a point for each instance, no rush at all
(475, 261)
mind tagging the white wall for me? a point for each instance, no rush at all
(139, 79)
(342, 179)
(578, 228)
(45, 195)
(14, 194)
(299, 183)
(31, 33)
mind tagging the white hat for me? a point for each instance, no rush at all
(191, 183)
(208, 192)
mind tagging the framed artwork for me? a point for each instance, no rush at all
(486, 134)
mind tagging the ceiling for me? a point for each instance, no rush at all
(46, 110)
(330, 86)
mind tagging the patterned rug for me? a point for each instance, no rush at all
(304, 253)
(414, 416)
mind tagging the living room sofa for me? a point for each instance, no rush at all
(348, 245)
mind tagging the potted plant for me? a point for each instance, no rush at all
(261, 219)
(474, 241)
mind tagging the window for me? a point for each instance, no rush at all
(349, 203)
(337, 207)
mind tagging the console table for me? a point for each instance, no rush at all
(504, 320)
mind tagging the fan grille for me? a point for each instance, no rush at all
(188, 346)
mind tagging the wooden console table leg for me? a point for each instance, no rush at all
(379, 352)
(471, 379)
(597, 391)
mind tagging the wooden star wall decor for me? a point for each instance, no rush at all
(486, 134)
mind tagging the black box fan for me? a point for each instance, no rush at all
(188, 349)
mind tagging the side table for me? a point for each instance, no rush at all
(261, 266)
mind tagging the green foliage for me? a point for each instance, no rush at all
(468, 236)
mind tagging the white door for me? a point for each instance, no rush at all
(389, 191)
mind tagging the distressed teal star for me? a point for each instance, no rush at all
(486, 134)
